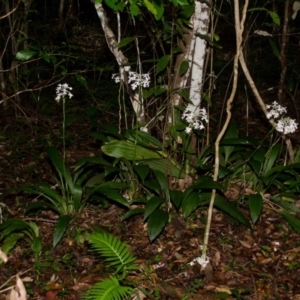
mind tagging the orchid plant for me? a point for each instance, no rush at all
(70, 194)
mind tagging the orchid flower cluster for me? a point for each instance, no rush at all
(195, 117)
(200, 261)
(62, 91)
(134, 79)
(285, 125)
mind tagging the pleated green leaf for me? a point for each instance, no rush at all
(292, 220)
(255, 206)
(60, 228)
(156, 223)
(152, 205)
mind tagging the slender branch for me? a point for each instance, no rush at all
(10, 12)
(284, 41)
(263, 106)
(239, 27)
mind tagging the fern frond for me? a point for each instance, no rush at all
(115, 252)
(108, 289)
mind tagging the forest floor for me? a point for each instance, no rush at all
(263, 264)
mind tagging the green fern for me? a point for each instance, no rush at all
(115, 252)
(108, 289)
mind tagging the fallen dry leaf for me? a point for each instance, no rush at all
(245, 244)
(18, 292)
(50, 295)
(3, 256)
(223, 289)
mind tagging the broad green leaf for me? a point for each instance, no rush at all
(150, 7)
(190, 203)
(153, 185)
(34, 228)
(274, 17)
(275, 49)
(260, 155)
(128, 150)
(9, 243)
(133, 212)
(176, 198)
(240, 141)
(184, 66)
(91, 160)
(179, 2)
(125, 41)
(52, 196)
(60, 228)
(208, 39)
(143, 139)
(112, 4)
(77, 198)
(156, 222)
(223, 172)
(134, 9)
(111, 170)
(100, 136)
(286, 205)
(113, 195)
(255, 206)
(81, 80)
(142, 171)
(162, 63)
(152, 205)
(36, 206)
(112, 130)
(60, 167)
(12, 225)
(25, 55)
(82, 175)
(272, 14)
(97, 179)
(184, 94)
(139, 200)
(255, 166)
(37, 246)
(292, 220)
(159, 7)
(232, 132)
(165, 165)
(45, 56)
(207, 183)
(159, 90)
(163, 182)
(231, 210)
(294, 166)
(187, 10)
(275, 170)
(216, 37)
(114, 185)
(271, 157)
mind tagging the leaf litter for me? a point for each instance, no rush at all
(263, 264)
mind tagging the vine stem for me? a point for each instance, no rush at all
(239, 28)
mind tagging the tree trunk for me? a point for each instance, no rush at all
(194, 53)
(112, 42)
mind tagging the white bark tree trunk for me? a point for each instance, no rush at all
(194, 53)
(200, 23)
(112, 42)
